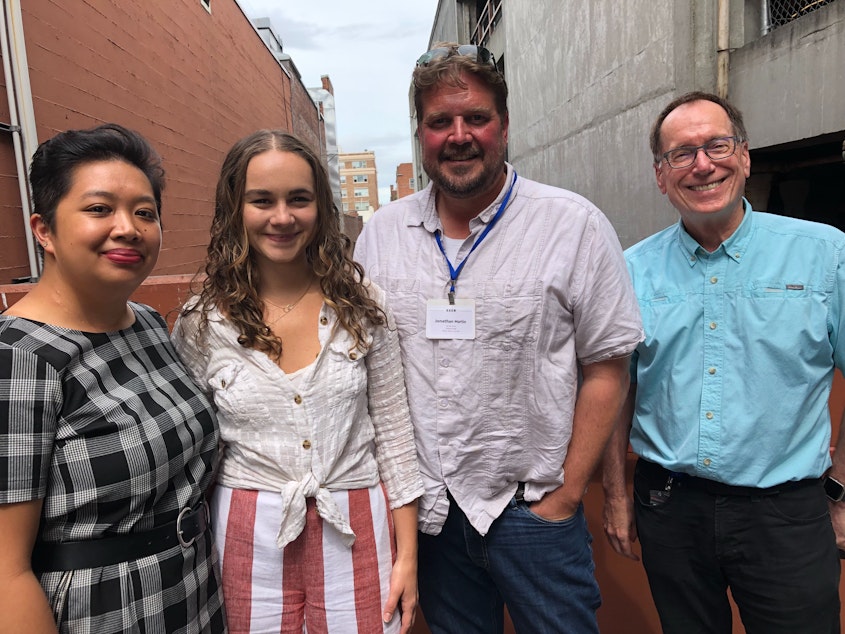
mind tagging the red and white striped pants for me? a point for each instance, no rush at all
(315, 584)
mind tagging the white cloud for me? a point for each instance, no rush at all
(368, 50)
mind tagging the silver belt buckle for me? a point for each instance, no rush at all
(179, 531)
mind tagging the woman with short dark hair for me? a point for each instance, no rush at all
(106, 446)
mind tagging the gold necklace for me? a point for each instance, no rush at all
(289, 307)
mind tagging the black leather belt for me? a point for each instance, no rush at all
(106, 551)
(713, 487)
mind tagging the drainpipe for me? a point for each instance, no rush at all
(764, 17)
(722, 48)
(21, 112)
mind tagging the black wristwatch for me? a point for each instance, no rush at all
(834, 489)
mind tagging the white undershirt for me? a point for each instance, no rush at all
(452, 246)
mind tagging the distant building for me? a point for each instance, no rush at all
(324, 98)
(405, 181)
(358, 182)
(351, 225)
(300, 98)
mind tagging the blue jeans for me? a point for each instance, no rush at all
(542, 571)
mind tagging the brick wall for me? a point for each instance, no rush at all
(190, 81)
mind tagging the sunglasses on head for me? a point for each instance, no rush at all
(481, 54)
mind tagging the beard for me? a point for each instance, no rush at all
(466, 181)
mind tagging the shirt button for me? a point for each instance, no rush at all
(712, 325)
(306, 444)
(714, 279)
(324, 320)
(353, 355)
(712, 370)
(707, 462)
(709, 415)
(692, 258)
(297, 399)
(737, 254)
(444, 403)
(444, 363)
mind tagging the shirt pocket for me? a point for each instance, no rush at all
(505, 317)
(507, 330)
(664, 309)
(776, 290)
(777, 303)
(348, 370)
(787, 316)
(237, 395)
(406, 302)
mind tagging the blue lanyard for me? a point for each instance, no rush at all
(453, 272)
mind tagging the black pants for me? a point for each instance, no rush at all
(776, 551)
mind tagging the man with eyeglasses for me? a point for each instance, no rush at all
(728, 406)
(503, 290)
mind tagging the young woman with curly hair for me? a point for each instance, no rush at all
(302, 360)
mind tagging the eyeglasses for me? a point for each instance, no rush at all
(715, 149)
(481, 54)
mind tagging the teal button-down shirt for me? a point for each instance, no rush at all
(734, 374)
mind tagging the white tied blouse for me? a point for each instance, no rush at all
(342, 423)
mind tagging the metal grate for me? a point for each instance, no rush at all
(780, 12)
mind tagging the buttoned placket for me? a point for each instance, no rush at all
(713, 272)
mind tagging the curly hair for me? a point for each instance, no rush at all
(232, 275)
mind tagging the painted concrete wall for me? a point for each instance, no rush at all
(790, 84)
(586, 80)
(588, 77)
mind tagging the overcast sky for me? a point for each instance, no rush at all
(368, 50)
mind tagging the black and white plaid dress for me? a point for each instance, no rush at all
(109, 430)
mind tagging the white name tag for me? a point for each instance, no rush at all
(450, 321)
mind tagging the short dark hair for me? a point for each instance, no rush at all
(55, 160)
(734, 115)
(447, 70)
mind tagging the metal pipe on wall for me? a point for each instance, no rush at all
(21, 112)
(764, 17)
(723, 47)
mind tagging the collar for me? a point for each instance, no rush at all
(426, 213)
(733, 247)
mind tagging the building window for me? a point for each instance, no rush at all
(782, 12)
(343, 178)
(359, 164)
(206, 4)
(341, 165)
(345, 206)
(343, 193)
(362, 206)
(412, 182)
(360, 178)
(362, 193)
